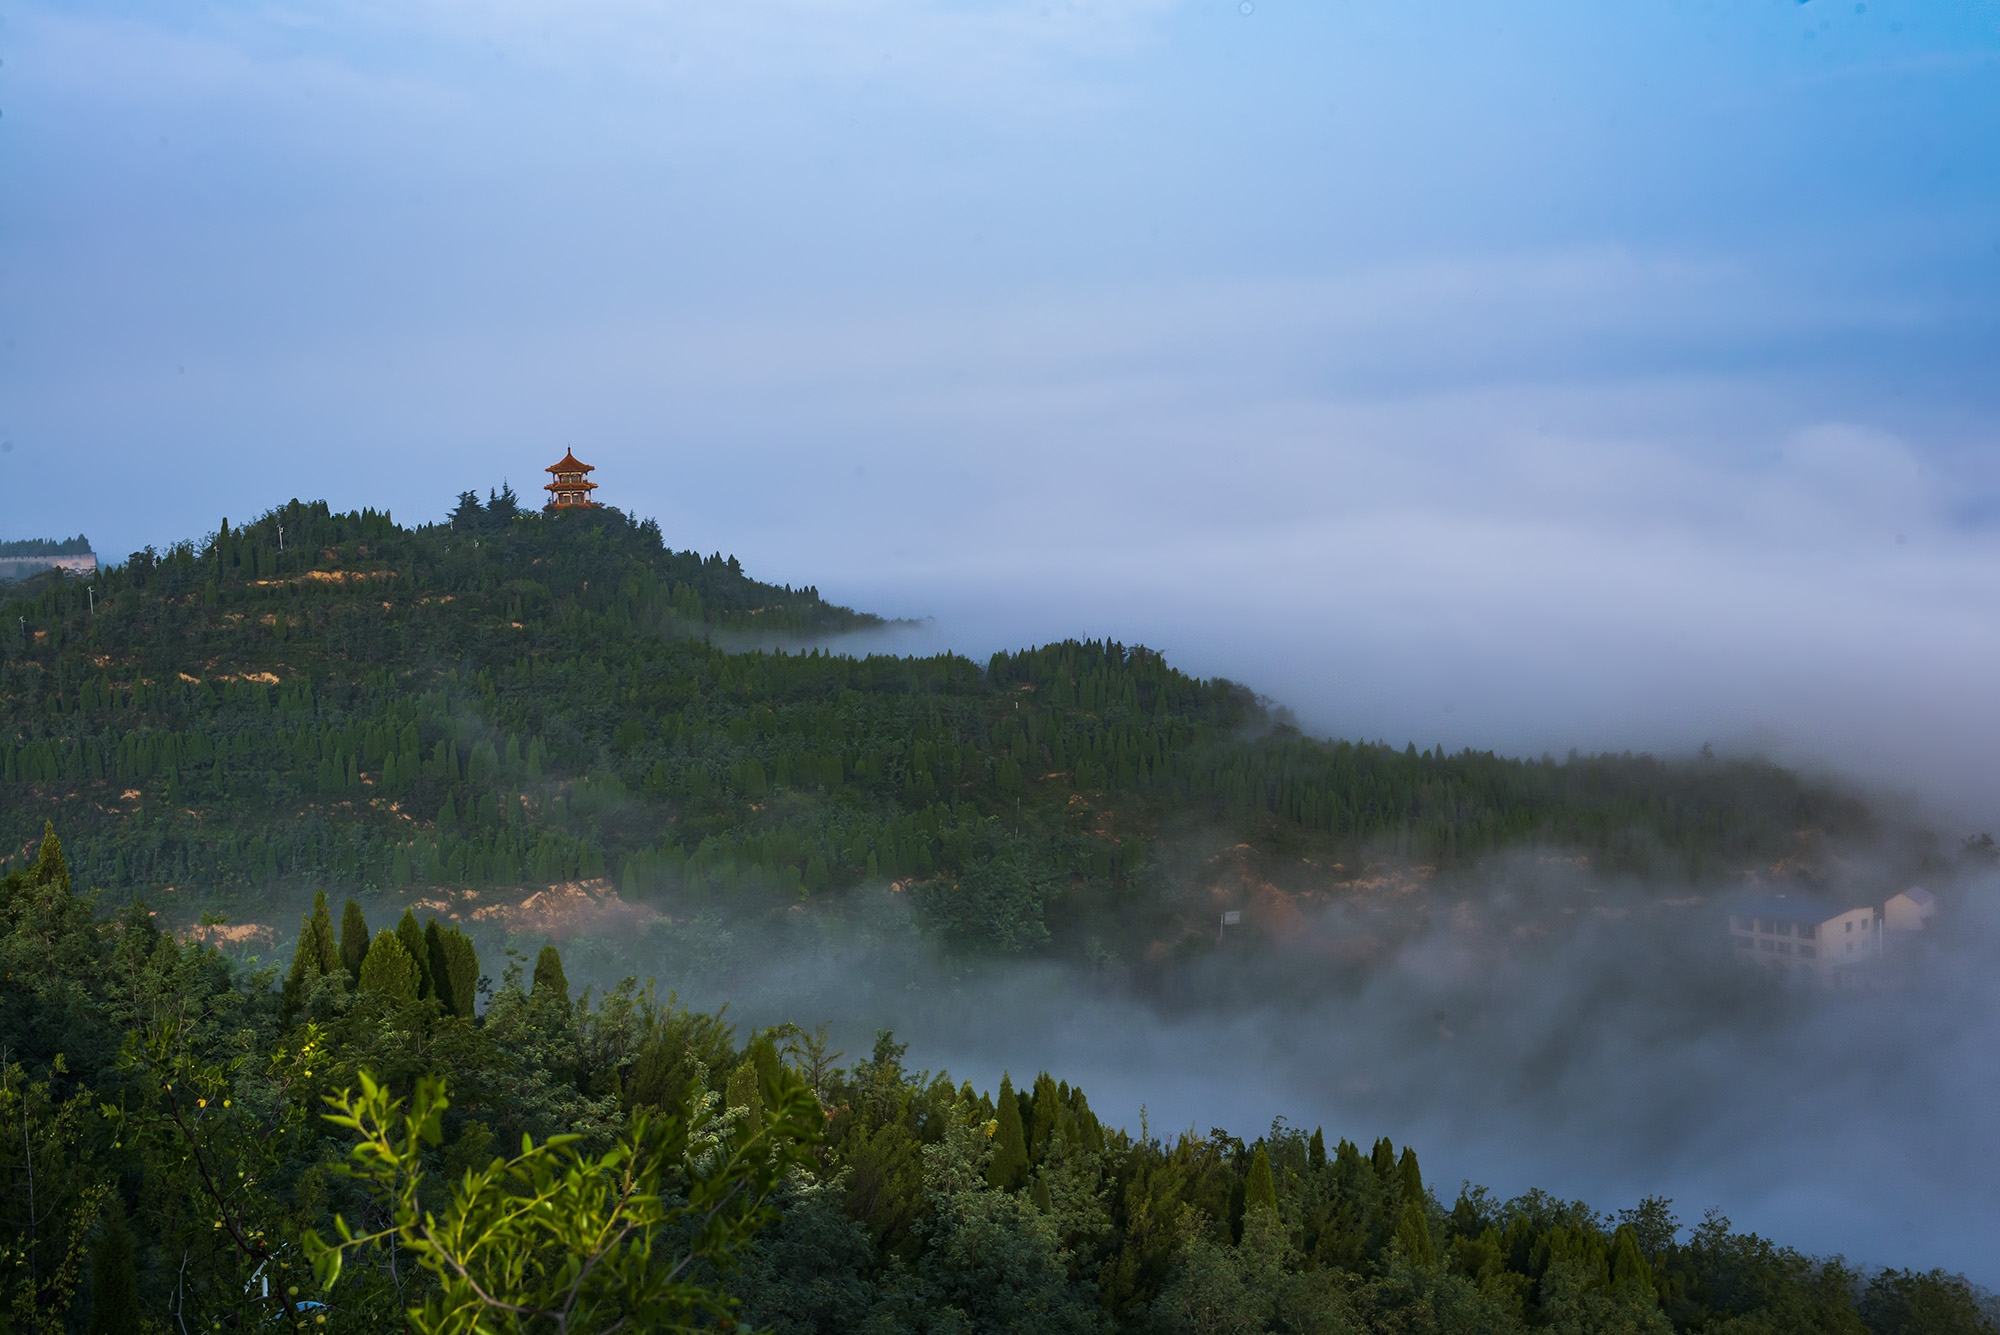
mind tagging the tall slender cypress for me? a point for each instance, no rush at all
(1009, 1167)
(1260, 1190)
(353, 940)
(550, 983)
(316, 956)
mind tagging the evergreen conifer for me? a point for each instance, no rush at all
(388, 970)
(114, 1275)
(1383, 1159)
(1260, 1190)
(550, 985)
(454, 968)
(1628, 1263)
(1009, 1166)
(1412, 1176)
(316, 956)
(50, 868)
(412, 937)
(1413, 1235)
(353, 940)
(1316, 1150)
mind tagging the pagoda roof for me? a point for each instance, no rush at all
(569, 486)
(569, 463)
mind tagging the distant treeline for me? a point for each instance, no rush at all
(76, 546)
(164, 1148)
(333, 699)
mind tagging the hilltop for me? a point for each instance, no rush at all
(517, 699)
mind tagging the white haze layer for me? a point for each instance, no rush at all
(1598, 1042)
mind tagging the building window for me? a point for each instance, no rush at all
(1850, 924)
(1809, 952)
(1808, 931)
(1745, 943)
(1767, 946)
(1784, 947)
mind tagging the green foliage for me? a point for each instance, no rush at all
(1906, 1302)
(389, 971)
(666, 1173)
(551, 986)
(550, 698)
(316, 956)
(353, 940)
(454, 968)
(114, 1275)
(1008, 1167)
(557, 1238)
(1260, 1192)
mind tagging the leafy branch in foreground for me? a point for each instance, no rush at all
(632, 1239)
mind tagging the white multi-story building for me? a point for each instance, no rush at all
(1801, 935)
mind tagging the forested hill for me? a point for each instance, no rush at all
(511, 698)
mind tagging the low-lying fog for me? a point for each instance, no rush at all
(1538, 1030)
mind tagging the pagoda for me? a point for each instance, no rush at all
(571, 487)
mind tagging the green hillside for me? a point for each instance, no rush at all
(515, 699)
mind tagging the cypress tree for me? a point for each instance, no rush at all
(1413, 1235)
(550, 984)
(353, 940)
(1260, 1191)
(1629, 1270)
(1039, 1194)
(1411, 1175)
(389, 970)
(437, 967)
(316, 956)
(1383, 1160)
(1045, 1110)
(114, 1275)
(412, 937)
(1316, 1150)
(454, 968)
(50, 867)
(1009, 1167)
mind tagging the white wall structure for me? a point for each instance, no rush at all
(1807, 936)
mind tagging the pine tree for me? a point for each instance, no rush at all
(114, 1275)
(316, 956)
(550, 985)
(1316, 1150)
(353, 940)
(1260, 1190)
(412, 937)
(1009, 1167)
(1413, 1235)
(388, 968)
